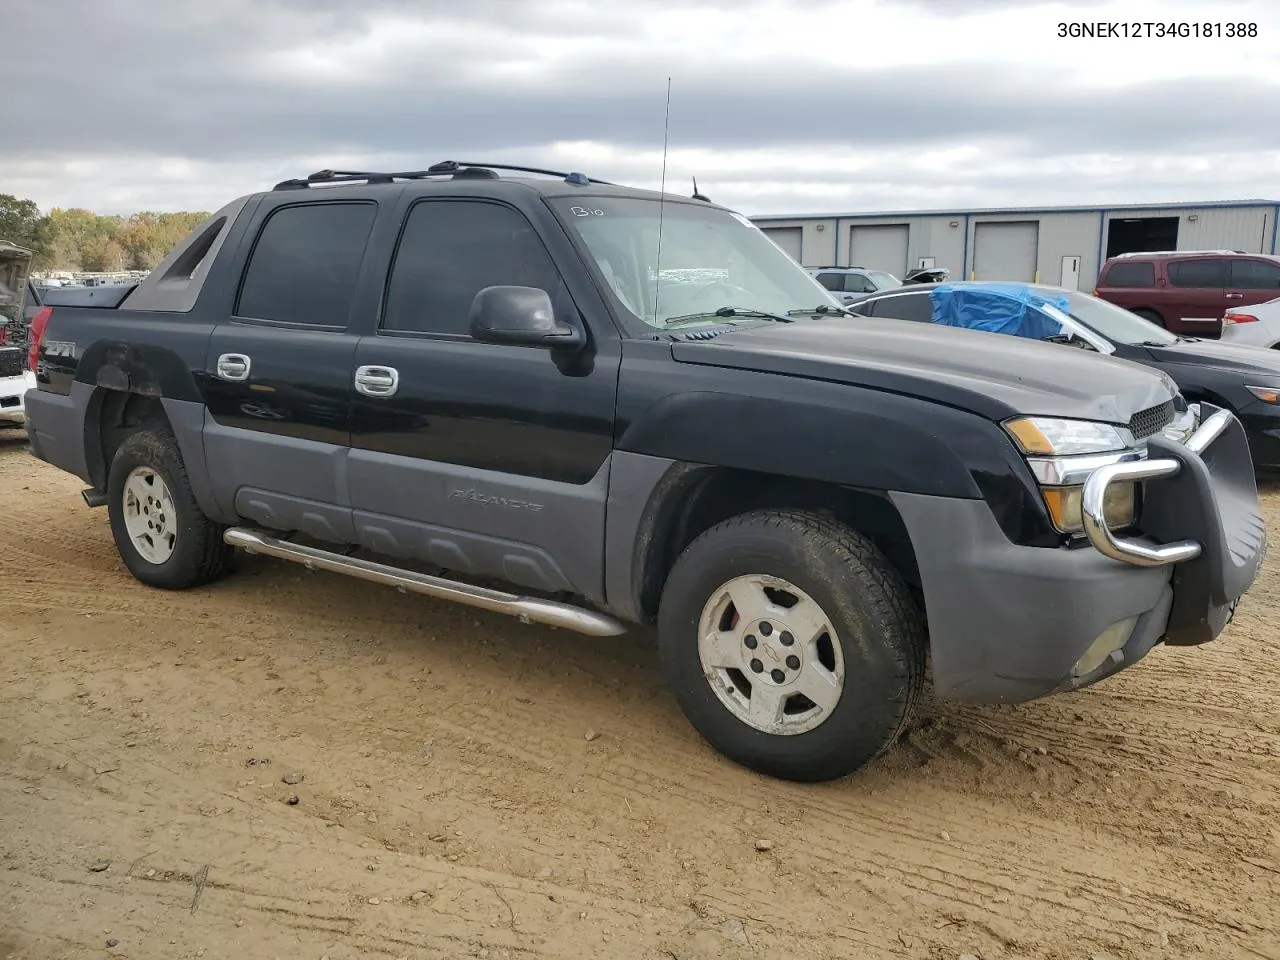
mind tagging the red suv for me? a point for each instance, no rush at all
(1187, 292)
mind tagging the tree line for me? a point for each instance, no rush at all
(77, 239)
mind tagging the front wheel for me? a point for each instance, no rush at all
(161, 533)
(791, 644)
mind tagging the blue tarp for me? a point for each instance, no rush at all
(1009, 308)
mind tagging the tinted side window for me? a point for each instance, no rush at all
(304, 265)
(857, 283)
(832, 281)
(1198, 273)
(907, 306)
(451, 250)
(1254, 275)
(1127, 273)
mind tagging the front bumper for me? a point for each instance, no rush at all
(1010, 623)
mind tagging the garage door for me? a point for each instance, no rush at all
(788, 238)
(879, 248)
(1006, 251)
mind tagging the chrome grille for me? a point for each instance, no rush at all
(1148, 422)
(10, 361)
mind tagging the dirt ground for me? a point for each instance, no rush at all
(467, 786)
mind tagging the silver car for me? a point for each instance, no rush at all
(847, 284)
(1256, 326)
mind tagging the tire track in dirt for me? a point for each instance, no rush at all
(1137, 831)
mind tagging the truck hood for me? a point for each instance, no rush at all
(993, 376)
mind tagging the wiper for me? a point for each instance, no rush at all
(1071, 340)
(821, 310)
(725, 312)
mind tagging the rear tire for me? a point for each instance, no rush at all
(1152, 316)
(791, 644)
(161, 533)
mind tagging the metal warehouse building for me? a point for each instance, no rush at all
(1058, 245)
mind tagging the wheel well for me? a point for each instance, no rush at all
(113, 415)
(1206, 396)
(706, 496)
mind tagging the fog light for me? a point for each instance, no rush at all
(1120, 507)
(1109, 641)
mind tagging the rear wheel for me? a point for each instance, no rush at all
(161, 533)
(792, 645)
(1152, 316)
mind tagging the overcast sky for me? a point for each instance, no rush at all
(777, 107)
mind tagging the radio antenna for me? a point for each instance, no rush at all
(662, 198)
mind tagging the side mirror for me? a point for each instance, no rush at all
(520, 315)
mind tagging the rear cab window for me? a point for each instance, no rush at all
(303, 268)
(1131, 273)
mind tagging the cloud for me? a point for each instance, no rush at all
(187, 103)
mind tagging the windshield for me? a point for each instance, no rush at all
(1116, 323)
(710, 258)
(884, 281)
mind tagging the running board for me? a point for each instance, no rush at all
(527, 609)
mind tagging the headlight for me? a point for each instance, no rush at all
(1048, 436)
(1063, 503)
(1062, 454)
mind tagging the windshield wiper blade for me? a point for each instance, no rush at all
(820, 310)
(726, 312)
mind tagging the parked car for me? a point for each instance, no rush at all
(1255, 326)
(848, 283)
(1188, 291)
(1243, 379)
(15, 382)
(486, 372)
(927, 275)
(15, 291)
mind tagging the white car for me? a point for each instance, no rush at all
(1256, 326)
(14, 383)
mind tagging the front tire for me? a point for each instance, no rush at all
(161, 533)
(791, 644)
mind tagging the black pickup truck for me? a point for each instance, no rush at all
(628, 407)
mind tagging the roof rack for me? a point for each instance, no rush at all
(453, 169)
(1177, 253)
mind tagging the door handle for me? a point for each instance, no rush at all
(1235, 296)
(375, 381)
(233, 366)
